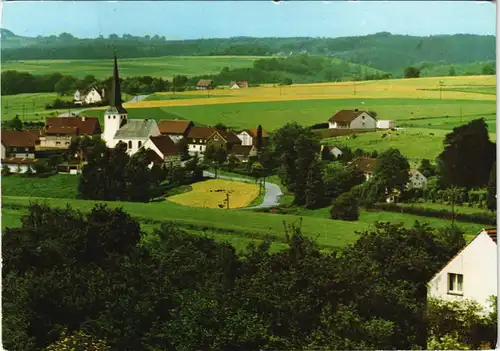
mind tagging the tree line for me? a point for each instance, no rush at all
(71, 278)
(383, 51)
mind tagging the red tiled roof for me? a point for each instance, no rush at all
(19, 161)
(80, 125)
(173, 126)
(253, 133)
(364, 164)
(201, 132)
(16, 138)
(492, 232)
(345, 116)
(166, 146)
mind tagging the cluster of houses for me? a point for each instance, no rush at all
(21, 149)
(207, 84)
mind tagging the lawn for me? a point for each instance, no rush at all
(166, 66)
(214, 192)
(57, 186)
(438, 206)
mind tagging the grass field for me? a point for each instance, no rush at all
(212, 194)
(239, 223)
(438, 206)
(57, 186)
(166, 66)
(29, 107)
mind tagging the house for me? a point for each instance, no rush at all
(75, 165)
(364, 164)
(223, 139)
(238, 84)
(249, 136)
(417, 180)
(352, 119)
(385, 124)
(244, 152)
(197, 139)
(333, 150)
(168, 152)
(92, 96)
(118, 128)
(204, 84)
(18, 149)
(175, 129)
(471, 274)
(59, 131)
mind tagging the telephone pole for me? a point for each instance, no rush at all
(354, 86)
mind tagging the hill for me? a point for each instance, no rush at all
(383, 51)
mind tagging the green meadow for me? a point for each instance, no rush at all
(165, 66)
(30, 107)
(274, 114)
(56, 186)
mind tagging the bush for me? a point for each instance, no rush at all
(6, 170)
(345, 207)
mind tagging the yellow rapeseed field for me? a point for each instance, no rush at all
(393, 88)
(212, 194)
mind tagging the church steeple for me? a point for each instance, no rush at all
(115, 103)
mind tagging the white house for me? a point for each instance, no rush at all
(238, 84)
(352, 119)
(117, 126)
(385, 124)
(471, 274)
(245, 137)
(197, 139)
(366, 165)
(417, 180)
(333, 150)
(77, 97)
(18, 149)
(249, 136)
(91, 97)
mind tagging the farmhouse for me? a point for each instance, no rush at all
(385, 124)
(249, 136)
(59, 131)
(204, 84)
(417, 180)
(244, 152)
(364, 164)
(238, 84)
(471, 274)
(328, 152)
(118, 128)
(175, 129)
(197, 139)
(18, 149)
(352, 119)
(91, 96)
(165, 148)
(223, 139)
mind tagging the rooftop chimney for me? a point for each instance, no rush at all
(356, 110)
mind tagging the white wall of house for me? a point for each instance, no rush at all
(246, 139)
(363, 121)
(77, 96)
(417, 180)
(336, 152)
(335, 125)
(385, 124)
(55, 141)
(92, 97)
(23, 168)
(194, 149)
(477, 263)
(133, 144)
(235, 86)
(175, 137)
(2, 151)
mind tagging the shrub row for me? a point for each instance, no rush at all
(482, 218)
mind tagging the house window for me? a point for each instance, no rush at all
(14, 149)
(455, 283)
(216, 138)
(26, 149)
(114, 117)
(139, 144)
(130, 144)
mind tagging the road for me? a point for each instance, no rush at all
(77, 112)
(271, 198)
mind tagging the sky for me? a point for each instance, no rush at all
(213, 19)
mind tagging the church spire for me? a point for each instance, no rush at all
(115, 102)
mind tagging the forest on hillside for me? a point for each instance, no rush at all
(383, 51)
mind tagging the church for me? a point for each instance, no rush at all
(135, 133)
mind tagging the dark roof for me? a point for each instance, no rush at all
(115, 103)
(173, 126)
(492, 232)
(228, 136)
(364, 164)
(243, 150)
(204, 83)
(73, 125)
(166, 146)
(346, 116)
(19, 161)
(153, 156)
(16, 138)
(201, 132)
(253, 133)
